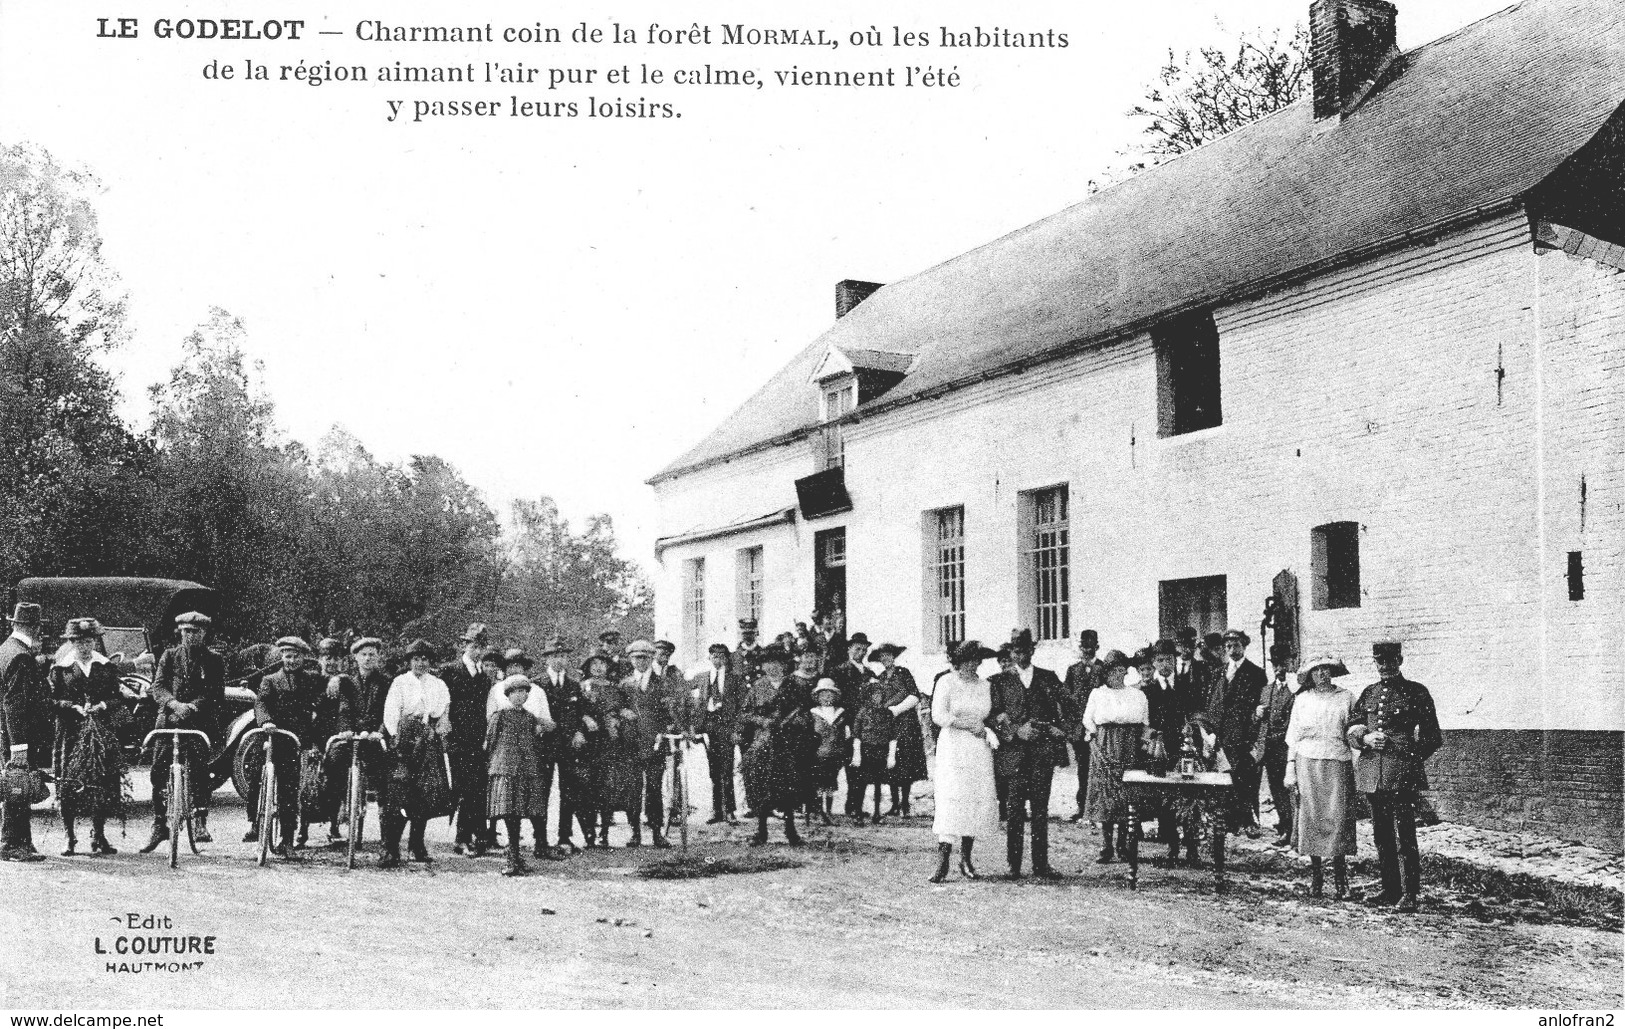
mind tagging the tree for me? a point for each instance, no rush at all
(68, 465)
(1199, 97)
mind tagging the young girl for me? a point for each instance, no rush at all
(833, 730)
(515, 790)
(874, 748)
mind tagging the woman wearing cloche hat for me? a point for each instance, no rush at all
(1320, 766)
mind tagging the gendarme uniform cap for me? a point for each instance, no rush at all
(364, 642)
(1237, 634)
(747, 623)
(1386, 649)
(196, 619)
(1089, 638)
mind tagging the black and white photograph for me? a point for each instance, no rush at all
(786, 507)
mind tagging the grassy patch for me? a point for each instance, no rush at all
(705, 868)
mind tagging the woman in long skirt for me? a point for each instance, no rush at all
(86, 758)
(1114, 719)
(591, 744)
(417, 719)
(776, 742)
(967, 801)
(514, 789)
(903, 700)
(1320, 766)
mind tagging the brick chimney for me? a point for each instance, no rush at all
(1350, 41)
(849, 293)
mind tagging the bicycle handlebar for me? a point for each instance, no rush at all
(261, 728)
(356, 737)
(178, 732)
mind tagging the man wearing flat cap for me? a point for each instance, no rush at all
(1083, 676)
(1394, 729)
(1030, 713)
(24, 742)
(1232, 701)
(654, 711)
(189, 687)
(469, 688)
(567, 705)
(286, 700)
(718, 690)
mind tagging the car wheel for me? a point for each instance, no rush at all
(239, 771)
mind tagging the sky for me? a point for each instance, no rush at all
(564, 306)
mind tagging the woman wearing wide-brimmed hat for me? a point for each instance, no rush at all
(589, 739)
(1114, 720)
(902, 697)
(1320, 767)
(967, 801)
(776, 741)
(86, 758)
(417, 719)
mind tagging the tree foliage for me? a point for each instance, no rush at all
(336, 542)
(1198, 97)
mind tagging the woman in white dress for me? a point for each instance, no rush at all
(1319, 765)
(967, 802)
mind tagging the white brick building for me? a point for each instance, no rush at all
(1376, 341)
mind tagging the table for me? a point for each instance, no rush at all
(1212, 789)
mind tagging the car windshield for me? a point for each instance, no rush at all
(128, 642)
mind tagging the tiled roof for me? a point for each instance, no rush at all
(1471, 121)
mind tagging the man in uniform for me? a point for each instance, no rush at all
(1082, 678)
(746, 661)
(286, 700)
(189, 687)
(1029, 713)
(1394, 729)
(656, 712)
(1274, 713)
(469, 687)
(719, 689)
(1232, 701)
(23, 725)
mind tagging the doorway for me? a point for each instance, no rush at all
(1198, 603)
(829, 570)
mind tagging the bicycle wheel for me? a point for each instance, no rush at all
(682, 796)
(178, 794)
(357, 804)
(267, 806)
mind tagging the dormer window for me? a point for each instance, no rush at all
(840, 397)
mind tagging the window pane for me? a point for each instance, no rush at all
(1048, 552)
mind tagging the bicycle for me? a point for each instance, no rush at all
(179, 801)
(355, 794)
(268, 787)
(678, 809)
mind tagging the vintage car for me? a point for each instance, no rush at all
(138, 623)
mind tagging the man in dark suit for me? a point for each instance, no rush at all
(656, 712)
(1232, 703)
(1394, 729)
(468, 687)
(610, 642)
(719, 689)
(1030, 712)
(566, 703)
(24, 742)
(189, 687)
(1170, 699)
(1081, 680)
(1274, 714)
(851, 675)
(286, 700)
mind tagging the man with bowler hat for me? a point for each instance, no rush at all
(469, 686)
(1274, 714)
(1082, 678)
(1232, 701)
(1393, 730)
(189, 687)
(23, 740)
(1029, 714)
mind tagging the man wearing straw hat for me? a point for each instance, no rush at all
(22, 724)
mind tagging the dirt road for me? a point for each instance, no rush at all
(855, 926)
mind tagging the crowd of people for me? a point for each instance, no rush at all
(814, 715)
